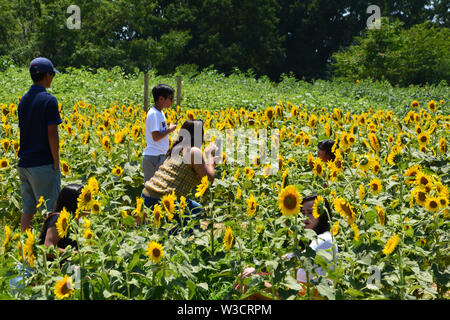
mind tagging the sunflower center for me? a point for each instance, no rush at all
(290, 202)
(156, 252)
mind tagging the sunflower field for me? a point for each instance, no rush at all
(388, 189)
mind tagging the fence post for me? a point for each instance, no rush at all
(146, 92)
(178, 90)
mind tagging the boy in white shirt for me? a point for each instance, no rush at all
(156, 131)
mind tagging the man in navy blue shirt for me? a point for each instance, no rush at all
(38, 166)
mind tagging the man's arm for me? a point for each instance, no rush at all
(156, 135)
(53, 141)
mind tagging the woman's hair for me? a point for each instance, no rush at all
(324, 219)
(191, 134)
(327, 146)
(68, 198)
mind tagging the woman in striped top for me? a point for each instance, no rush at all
(183, 169)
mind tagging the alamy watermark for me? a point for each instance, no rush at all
(244, 147)
(374, 21)
(74, 20)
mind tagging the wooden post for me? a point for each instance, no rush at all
(146, 92)
(178, 90)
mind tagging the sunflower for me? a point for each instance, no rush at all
(361, 192)
(252, 205)
(250, 174)
(345, 209)
(182, 204)
(432, 204)
(375, 186)
(65, 168)
(423, 138)
(432, 105)
(86, 198)
(64, 288)
(443, 201)
(168, 203)
(328, 130)
(269, 113)
(306, 140)
(442, 145)
(228, 239)
(374, 141)
(338, 161)
(364, 163)
(289, 201)
(118, 137)
(5, 144)
(93, 185)
(157, 215)
(381, 215)
(312, 121)
(202, 187)
(88, 234)
(298, 139)
(4, 163)
(154, 251)
(376, 166)
(415, 104)
(238, 193)
(267, 170)
(62, 224)
(96, 207)
(117, 171)
(40, 202)
(28, 252)
(236, 175)
(335, 228)
(391, 245)
(355, 231)
(317, 207)
(419, 194)
(106, 144)
(139, 204)
(412, 172)
(7, 236)
(294, 111)
(310, 160)
(422, 179)
(318, 167)
(394, 155)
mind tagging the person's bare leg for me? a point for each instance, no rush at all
(26, 221)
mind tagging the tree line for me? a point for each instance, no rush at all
(268, 37)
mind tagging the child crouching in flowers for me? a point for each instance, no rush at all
(55, 230)
(318, 213)
(185, 167)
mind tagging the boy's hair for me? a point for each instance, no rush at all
(162, 90)
(36, 77)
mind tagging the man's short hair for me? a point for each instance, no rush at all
(36, 77)
(162, 90)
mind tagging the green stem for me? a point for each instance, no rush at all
(402, 276)
(212, 223)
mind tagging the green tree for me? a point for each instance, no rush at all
(402, 56)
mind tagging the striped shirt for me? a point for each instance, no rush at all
(173, 175)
